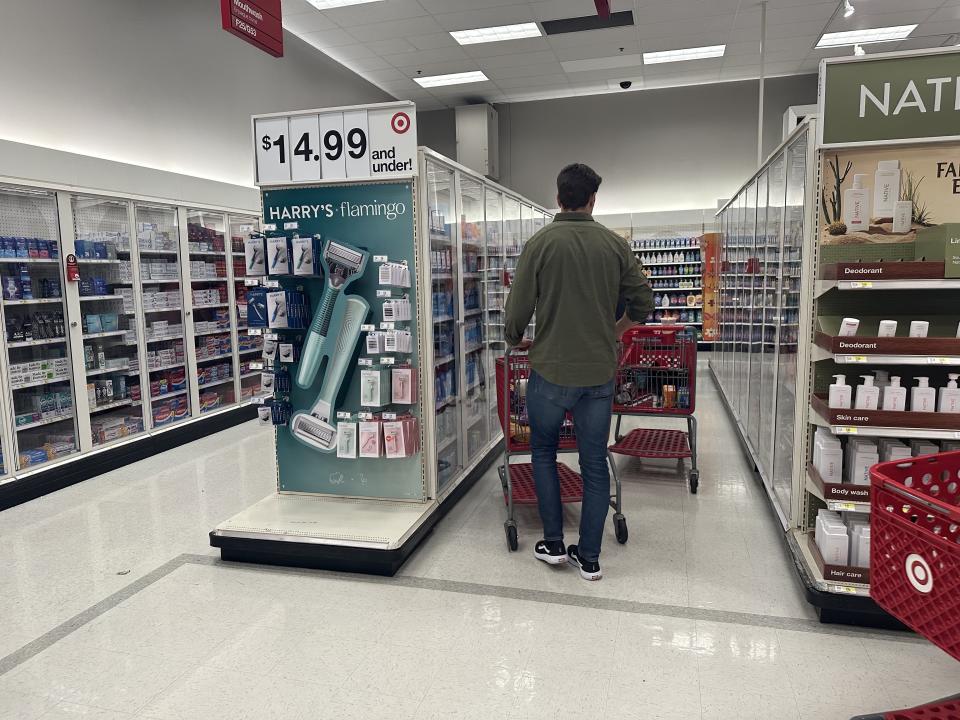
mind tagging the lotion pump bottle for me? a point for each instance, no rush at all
(856, 206)
(923, 398)
(868, 394)
(839, 398)
(950, 395)
(894, 396)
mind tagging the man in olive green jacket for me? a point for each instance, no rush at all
(574, 274)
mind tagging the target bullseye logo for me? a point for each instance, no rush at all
(918, 573)
(400, 123)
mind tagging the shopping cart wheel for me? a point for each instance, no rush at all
(694, 481)
(511, 530)
(620, 528)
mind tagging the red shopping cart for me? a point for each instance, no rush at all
(915, 557)
(658, 377)
(513, 373)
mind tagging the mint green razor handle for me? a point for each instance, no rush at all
(313, 346)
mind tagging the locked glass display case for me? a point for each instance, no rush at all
(249, 347)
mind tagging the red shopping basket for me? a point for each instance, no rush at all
(513, 373)
(915, 548)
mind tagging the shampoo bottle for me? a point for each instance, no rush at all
(894, 396)
(868, 394)
(840, 397)
(856, 206)
(923, 398)
(950, 395)
(886, 191)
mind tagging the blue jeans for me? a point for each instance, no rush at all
(592, 409)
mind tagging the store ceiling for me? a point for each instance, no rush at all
(393, 41)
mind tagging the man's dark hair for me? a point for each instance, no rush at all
(575, 184)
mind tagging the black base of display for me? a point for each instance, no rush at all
(831, 607)
(83, 468)
(339, 557)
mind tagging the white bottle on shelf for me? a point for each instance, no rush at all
(950, 395)
(868, 394)
(923, 398)
(886, 190)
(840, 394)
(856, 206)
(895, 396)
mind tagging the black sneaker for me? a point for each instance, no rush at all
(553, 552)
(588, 570)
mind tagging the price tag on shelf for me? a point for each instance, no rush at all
(256, 366)
(368, 328)
(855, 359)
(938, 361)
(343, 415)
(388, 361)
(844, 506)
(291, 225)
(260, 399)
(384, 293)
(254, 331)
(843, 589)
(842, 430)
(271, 283)
(389, 416)
(861, 285)
(365, 415)
(380, 259)
(246, 228)
(271, 336)
(365, 362)
(268, 227)
(387, 326)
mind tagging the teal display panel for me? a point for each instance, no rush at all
(378, 218)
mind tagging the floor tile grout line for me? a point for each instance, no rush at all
(66, 628)
(84, 617)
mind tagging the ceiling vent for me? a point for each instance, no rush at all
(588, 22)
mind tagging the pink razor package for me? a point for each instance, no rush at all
(401, 438)
(403, 382)
(369, 446)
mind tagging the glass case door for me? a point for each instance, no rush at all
(492, 290)
(475, 403)
(112, 345)
(249, 348)
(752, 420)
(791, 258)
(210, 290)
(749, 269)
(40, 371)
(158, 248)
(444, 280)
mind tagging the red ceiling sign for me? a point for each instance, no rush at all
(603, 8)
(256, 21)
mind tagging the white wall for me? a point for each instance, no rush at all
(153, 82)
(657, 150)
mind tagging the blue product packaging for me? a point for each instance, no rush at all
(26, 284)
(99, 286)
(11, 288)
(54, 249)
(93, 324)
(22, 250)
(257, 307)
(80, 248)
(33, 249)
(100, 250)
(7, 247)
(44, 248)
(86, 287)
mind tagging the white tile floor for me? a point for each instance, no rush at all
(215, 641)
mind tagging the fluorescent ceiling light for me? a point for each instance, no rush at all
(496, 34)
(848, 8)
(330, 4)
(862, 37)
(697, 53)
(451, 79)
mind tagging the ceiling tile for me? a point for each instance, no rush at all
(603, 63)
(329, 38)
(434, 40)
(346, 53)
(514, 82)
(295, 7)
(950, 11)
(552, 68)
(507, 47)
(486, 17)
(585, 52)
(561, 9)
(685, 12)
(613, 37)
(311, 21)
(809, 12)
(444, 6)
(391, 46)
(716, 26)
(398, 28)
(389, 74)
(656, 44)
(441, 68)
(428, 57)
(506, 61)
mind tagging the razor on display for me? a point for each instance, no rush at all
(344, 263)
(314, 428)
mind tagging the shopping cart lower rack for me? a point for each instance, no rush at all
(513, 372)
(657, 377)
(915, 557)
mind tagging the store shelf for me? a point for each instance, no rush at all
(255, 373)
(165, 367)
(34, 301)
(162, 309)
(38, 383)
(663, 249)
(157, 281)
(207, 307)
(840, 497)
(443, 319)
(688, 276)
(107, 371)
(164, 339)
(221, 356)
(679, 307)
(473, 348)
(114, 405)
(250, 350)
(101, 261)
(109, 333)
(472, 312)
(209, 279)
(672, 264)
(444, 360)
(208, 253)
(221, 331)
(446, 401)
(36, 343)
(899, 431)
(442, 276)
(29, 261)
(92, 298)
(446, 443)
(675, 289)
(836, 580)
(167, 396)
(45, 421)
(167, 253)
(215, 383)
